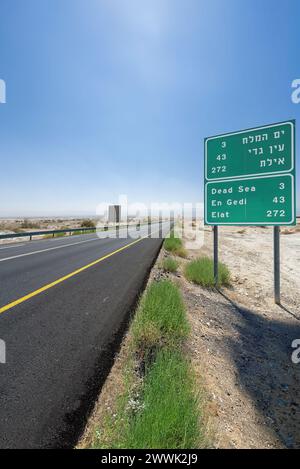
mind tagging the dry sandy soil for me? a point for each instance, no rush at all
(241, 341)
(20, 224)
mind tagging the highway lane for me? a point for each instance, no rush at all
(43, 241)
(10, 249)
(27, 268)
(60, 343)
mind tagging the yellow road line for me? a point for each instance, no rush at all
(66, 277)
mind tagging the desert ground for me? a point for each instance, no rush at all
(241, 341)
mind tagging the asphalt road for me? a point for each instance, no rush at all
(64, 305)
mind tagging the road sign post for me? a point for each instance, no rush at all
(277, 264)
(250, 180)
(216, 255)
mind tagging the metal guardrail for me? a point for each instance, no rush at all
(30, 234)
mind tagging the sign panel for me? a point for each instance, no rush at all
(257, 201)
(250, 177)
(265, 150)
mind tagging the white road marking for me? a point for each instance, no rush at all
(14, 246)
(48, 249)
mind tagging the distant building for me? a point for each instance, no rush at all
(114, 213)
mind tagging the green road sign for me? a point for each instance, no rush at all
(250, 177)
(260, 151)
(257, 201)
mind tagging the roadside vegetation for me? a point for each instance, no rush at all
(56, 235)
(160, 319)
(170, 264)
(87, 223)
(169, 415)
(28, 224)
(160, 405)
(72, 233)
(201, 272)
(75, 233)
(174, 245)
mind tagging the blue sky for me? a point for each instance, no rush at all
(109, 97)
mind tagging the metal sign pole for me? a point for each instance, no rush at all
(277, 264)
(216, 260)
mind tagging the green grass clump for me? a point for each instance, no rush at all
(201, 272)
(169, 417)
(170, 264)
(174, 245)
(160, 317)
(181, 252)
